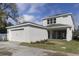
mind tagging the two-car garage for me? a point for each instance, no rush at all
(27, 32)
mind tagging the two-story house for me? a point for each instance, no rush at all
(60, 26)
(53, 27)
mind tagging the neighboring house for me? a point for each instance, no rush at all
(54, 27)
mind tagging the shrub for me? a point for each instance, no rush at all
(42, 41)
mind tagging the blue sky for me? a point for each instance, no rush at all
(35, 12)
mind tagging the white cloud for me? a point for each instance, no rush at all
(27, 9)
(38, 22)
(25, 18)
(34, 8)
(30, 7)
(22, 7)
(11, 21)
(30, 18)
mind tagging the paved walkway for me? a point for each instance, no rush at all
(15, 49)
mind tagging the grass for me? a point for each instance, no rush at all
(56, 45)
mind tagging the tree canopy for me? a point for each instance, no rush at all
(7, 10)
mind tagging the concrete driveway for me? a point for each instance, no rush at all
(15, 49)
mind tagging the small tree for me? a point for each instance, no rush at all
(76, 33)
(7, 10)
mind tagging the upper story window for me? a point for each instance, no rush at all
(47, 21)
(54, 20)
(51, 20)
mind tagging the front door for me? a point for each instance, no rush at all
(59, 34)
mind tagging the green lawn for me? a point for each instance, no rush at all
(56, 45)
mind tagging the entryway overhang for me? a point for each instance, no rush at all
(59, 31)
(57, 27)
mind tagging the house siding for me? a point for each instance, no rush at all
(65, 20)
(37, 34)
(29, 34)
(62, 20)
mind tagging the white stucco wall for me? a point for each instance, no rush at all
(69, 34)
(62, 20)
(29, 34)
(37, 34)
(65, 20)
(44, 22)
(18, 35)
